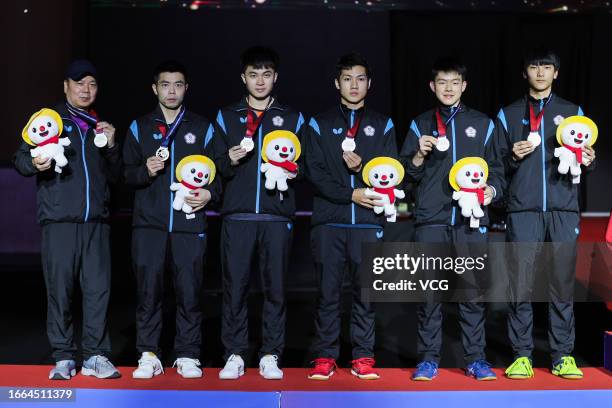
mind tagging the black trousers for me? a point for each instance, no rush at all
(471, 314)
(74, 253)
(561, 228)
(241, 241)
(335, 250)
(150, 249)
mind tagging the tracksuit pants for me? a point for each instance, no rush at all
(241, 242)
(560, 227)
(471, 314)
(77, 254)
(336, 250)
(150, 249)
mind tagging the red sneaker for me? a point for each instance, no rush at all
(364, 368)
(323, 369)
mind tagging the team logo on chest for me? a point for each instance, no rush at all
(470, 132)
(190, 138)
(369, 130)
(278, 121)
(558, 119)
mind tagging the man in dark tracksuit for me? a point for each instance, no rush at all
(159, 231)
(438, 217)
(73, 212)
(257, 222)
(342, 216)
(542, 206)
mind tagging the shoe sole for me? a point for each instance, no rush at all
(240, 374)
(487, 379)
(569, 377)
(423, 378)
(58, 376)
(155, 373)
(92, 373)
(365, 376)
(519, 377)
(190, 376)
(320, 377)
(270, 378)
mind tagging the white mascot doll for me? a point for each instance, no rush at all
(468, 178)
(382, 175)
(43, 131)
(573, 134)
(280, 151)
(192, 172)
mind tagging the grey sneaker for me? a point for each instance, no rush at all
(63, 370)
(100, 367)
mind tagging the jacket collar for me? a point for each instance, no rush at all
(158, 116)
(242, 105)
(539, 101)
(445, 111)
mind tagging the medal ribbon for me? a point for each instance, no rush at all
(352, 132)
(441, 125)
(536, 121)
(253, 121)
(168, 136)
(91, 118)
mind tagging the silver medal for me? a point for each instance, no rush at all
(443, 144)
(100, 139)
(163, 153)
(247, 144)
(534, 138)
(348, 144)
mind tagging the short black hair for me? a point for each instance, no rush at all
(351, 60)
(541, 56)
(259, 57)
(169, 66)
(448, 64)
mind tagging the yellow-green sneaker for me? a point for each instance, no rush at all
(565, 367)
(520, 370)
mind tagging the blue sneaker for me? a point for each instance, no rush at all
(100, 367)
(425, 371)
(480, 370)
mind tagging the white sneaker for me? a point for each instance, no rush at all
(268, 368)
(234, 368)
(148, 366)
(188, 367)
